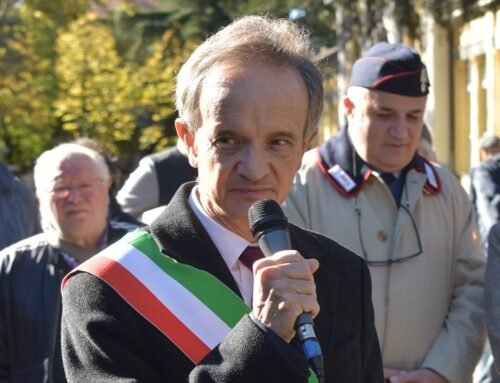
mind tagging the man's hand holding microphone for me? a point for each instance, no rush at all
(284, 292)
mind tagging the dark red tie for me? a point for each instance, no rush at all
(250, 255)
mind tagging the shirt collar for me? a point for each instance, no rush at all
(229, 244)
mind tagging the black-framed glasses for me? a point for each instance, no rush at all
(393, 260)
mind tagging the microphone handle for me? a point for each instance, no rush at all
(304, 326)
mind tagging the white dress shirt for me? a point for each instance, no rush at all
(230, 246)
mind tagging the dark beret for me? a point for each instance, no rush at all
(393, 68)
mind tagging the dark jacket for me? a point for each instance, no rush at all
(485, 194)
(31, 272)
(104, 339)
(18, 210)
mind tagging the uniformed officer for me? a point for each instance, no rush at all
(368, 189)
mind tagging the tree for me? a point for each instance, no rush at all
(27, 84)
(124, 104)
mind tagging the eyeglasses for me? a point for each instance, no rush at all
(393, 260)
(84, 188)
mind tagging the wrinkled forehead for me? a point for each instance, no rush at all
(233, 87)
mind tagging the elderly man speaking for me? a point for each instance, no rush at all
(175, 302)
(72, 185)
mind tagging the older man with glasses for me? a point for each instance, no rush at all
(370, 190)
(72, 185)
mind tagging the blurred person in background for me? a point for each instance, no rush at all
(155, 180)
(18, 210)
(485, 185)
(72, 185)
(115, 211)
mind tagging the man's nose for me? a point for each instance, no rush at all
(74, 193)
(253, 164)
(399, 128)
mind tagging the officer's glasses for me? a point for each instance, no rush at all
(392, 260)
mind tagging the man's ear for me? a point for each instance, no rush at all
(348, 105)
(188, 139)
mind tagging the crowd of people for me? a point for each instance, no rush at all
(384, 249)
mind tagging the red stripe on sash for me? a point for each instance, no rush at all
(133, 291)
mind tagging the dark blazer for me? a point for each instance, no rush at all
(104, 339)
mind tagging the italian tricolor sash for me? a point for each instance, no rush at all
(188, 305)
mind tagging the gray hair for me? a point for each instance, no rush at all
(53, 157)
(250, 39)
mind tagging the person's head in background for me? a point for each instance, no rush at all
(72, 184)
(385, 105)
(425, 147)
(489, 145)
(249, 101)
(114, 171)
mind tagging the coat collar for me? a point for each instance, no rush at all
(348, 173)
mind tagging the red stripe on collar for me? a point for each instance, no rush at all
(342, 188)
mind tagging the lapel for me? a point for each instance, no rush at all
(179, 234)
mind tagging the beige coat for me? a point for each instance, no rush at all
(428, 309)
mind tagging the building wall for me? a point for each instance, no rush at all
(477, 86)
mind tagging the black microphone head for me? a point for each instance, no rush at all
(265, 214)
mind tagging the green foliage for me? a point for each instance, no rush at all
(103, 96)
(27, 84)
(63, 79)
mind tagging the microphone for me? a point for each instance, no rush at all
(269, 226)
